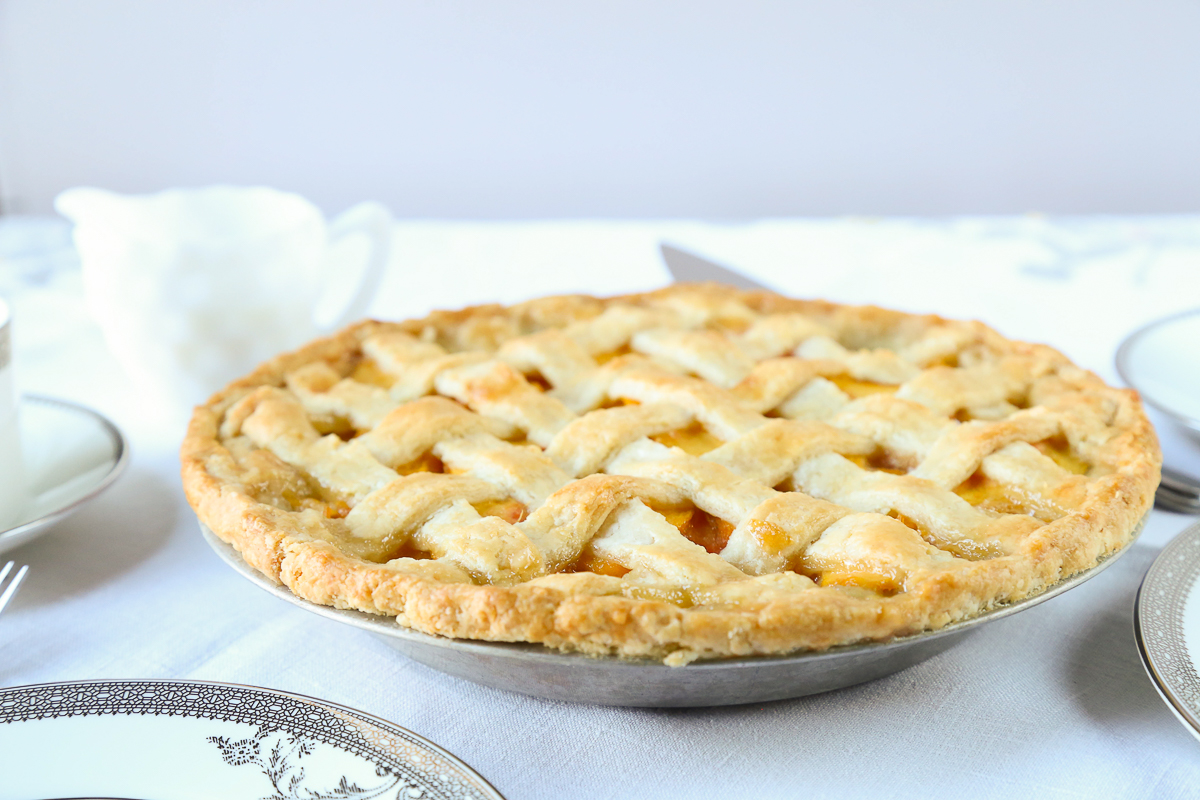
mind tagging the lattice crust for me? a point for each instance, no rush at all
(695, 472)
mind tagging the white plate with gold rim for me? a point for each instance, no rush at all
(188, 740)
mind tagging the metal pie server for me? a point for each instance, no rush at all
(687, 267)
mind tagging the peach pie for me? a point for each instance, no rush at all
(696, 472)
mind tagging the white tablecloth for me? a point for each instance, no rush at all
(1050, 703)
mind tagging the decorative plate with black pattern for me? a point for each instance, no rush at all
(1166, 622)
(180, 740)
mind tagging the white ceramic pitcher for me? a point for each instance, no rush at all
(194, 287)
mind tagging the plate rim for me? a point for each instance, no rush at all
(374, 719)
(118, 464)
(1178, 713)
(1187, 714)
(535, 652)
(1121, 363)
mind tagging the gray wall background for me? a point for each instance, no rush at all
(667, 109)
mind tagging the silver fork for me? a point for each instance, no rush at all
(13, 585)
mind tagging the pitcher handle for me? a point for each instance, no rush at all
(375, 222)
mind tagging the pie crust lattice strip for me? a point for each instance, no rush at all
(697, 472)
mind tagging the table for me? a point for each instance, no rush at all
(1052, 702)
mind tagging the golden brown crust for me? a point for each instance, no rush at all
(269, 510)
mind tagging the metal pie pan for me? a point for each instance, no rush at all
(536, 670)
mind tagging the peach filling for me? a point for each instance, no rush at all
(590, 562)
(338, 509)
(950, 360)
(623, 350)
(879, 461)
(521, 440)
(599, 565)
(966, 548)
(407, 550)
(539, 382)
(770, 537)
(848, 576)
(886, 585)
(693, 439)
(511, 511)
(983, 492)
(856, 388)
(367, 371)
(711, 533)
(337, 425)
(617, 402)
(1058, 449)
(331, 509)
(427, 462)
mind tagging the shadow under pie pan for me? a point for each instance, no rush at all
(536, 670)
